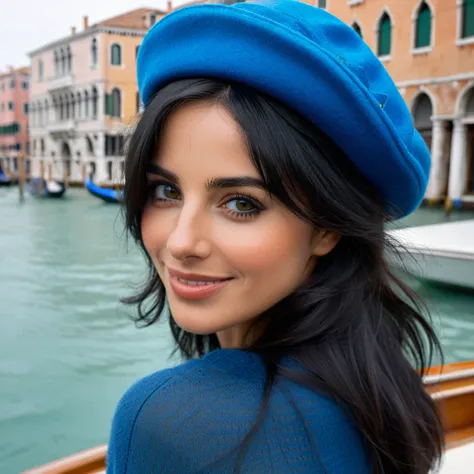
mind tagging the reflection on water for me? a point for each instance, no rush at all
(67, 348)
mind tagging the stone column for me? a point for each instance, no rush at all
(437, 172)
(100, 160)
(457, 168)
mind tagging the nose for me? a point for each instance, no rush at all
(188, 238)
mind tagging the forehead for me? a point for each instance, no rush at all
(203, 140)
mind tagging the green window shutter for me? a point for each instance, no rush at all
(423, 27)
(116, 55)
(468, 19)
(385, 36)
(322, 4)
(109, 104)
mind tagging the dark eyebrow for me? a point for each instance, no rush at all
(234, 182)
(155, 169)
(214, 183)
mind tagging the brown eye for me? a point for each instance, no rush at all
(243, 206)
(170, 192)
(165, 192)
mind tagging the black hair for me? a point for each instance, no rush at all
(362, 334)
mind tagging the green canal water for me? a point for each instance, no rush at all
(68, 349)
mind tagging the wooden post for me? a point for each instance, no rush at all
(50, 171)
(21, 177)
(84, 174)
(66, 180)
(41, 183)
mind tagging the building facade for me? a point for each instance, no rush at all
(14, 138)
(84, 98)
(427, 46)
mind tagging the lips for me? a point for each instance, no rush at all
(192, 286)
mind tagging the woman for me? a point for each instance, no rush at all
(271, 152)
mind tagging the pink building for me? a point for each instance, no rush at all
(14, 139)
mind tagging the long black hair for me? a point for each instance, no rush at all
(362, 334)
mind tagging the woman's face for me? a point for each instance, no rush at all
(225, 250)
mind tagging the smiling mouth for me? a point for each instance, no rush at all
(198, 282)
(193, 288)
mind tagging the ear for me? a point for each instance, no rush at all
(324, 241)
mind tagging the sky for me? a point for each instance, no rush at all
(28, 24)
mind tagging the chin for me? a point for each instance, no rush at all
(196, 322)
(203, 321)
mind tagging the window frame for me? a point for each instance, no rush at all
(386, 56)
(112, 46)
(462, 40)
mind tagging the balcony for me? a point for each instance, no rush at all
(65, 128)
(60, 82)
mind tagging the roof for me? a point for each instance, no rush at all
(132, 19)
(194, 2)
(20, 70)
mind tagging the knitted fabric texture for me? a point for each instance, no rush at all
(191, 418)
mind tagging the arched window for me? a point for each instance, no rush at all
(422, 112)
(40, 114)
(61, 108)
(68, 106)
(79, 106)
(385, 36)
(86, 104)
(467, 19)
(109, 170)
(33, 114)
(56, 64)
(63, 62)
(423, 26)
(73, 106)
(95, 98)
(69, 59)
(356, 27)
(90, 146)
(114, 105)
(46, 111)
(40, 70)
(94, 52)
(55, 109)
(116, 55)
(470, 107)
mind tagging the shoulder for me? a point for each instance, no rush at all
(177, 409)
(192, 416)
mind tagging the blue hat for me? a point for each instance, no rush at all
(311, 61)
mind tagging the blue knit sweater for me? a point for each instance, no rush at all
(189, 419)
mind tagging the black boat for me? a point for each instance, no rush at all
(51, 189)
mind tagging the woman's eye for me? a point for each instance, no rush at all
(166, 192)
(242, 206)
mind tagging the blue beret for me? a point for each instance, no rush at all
(311, 61)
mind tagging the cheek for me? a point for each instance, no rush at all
(270, 246)
(153, 233)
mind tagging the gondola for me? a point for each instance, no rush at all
(109, 195)
(50, 189)
(4, 179)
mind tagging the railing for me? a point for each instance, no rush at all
(60, 82)
(62, 126)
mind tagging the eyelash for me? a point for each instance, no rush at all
(258, 208)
